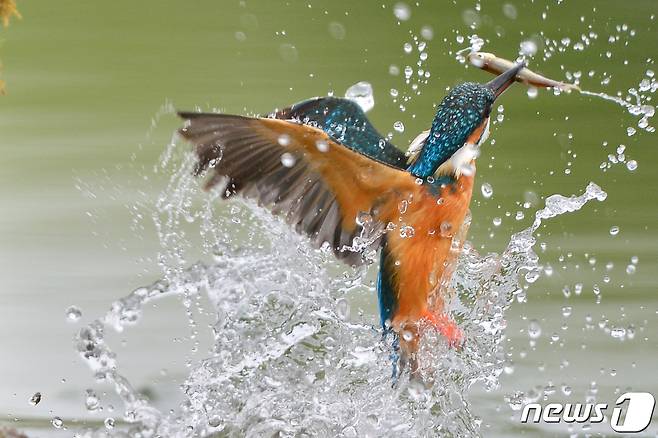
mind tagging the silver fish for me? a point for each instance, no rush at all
(493, 64)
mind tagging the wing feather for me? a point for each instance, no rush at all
(320, 191)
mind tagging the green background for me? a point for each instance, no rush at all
(78, 147)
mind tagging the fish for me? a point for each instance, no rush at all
(493, 64)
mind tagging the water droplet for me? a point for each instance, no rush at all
(596, 289)
(407, 231)
(534, 329)
(532, 276)
(566, 311)
(631, 165)
(407, 48)
(487, 190)
(363, 219)
(109, 423)
(342, 309)
(630, 269)
(57, 422)
(288, 53)
(630, 131)
(287, 159)
(398, 126)
(427, 32)
(528, 48)
(284, 140)
(472, 19)
(322, 145)
(337, 30)
(497, 221)
(92, 401)
(73, 313)
(402, 11)
(349, 432)
(446, 229)
(362, 94)
(515, 400)
(393, 70)
(510, 11)
(532, 92)
(35, 399)
(614, 230)
(407, 335)
(618, 333)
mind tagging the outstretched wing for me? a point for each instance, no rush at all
(346, 123)
(321, 186)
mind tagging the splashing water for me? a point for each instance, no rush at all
(636, 102)
(289, 357)
(362, 94)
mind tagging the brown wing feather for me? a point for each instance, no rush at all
(320, 188)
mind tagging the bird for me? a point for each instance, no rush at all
(323, 166)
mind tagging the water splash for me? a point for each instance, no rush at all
(636, 102)
(362, 94)
(289, 357)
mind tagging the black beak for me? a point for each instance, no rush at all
(504, 80)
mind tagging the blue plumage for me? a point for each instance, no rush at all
(385, 291)
(345, 122)
(460, 112)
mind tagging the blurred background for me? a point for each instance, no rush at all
(88, 114)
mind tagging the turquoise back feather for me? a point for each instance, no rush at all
(345, 122)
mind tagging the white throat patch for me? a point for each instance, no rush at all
(460, 162)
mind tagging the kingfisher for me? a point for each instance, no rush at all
(322, 165)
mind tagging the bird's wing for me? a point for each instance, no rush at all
(321, 187)
(346, 123)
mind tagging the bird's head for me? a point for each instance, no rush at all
(461, 124)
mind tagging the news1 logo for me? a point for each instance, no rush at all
(638, 412)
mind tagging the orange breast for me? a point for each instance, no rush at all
(420, 245)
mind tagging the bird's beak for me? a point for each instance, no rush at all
(504, 80)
